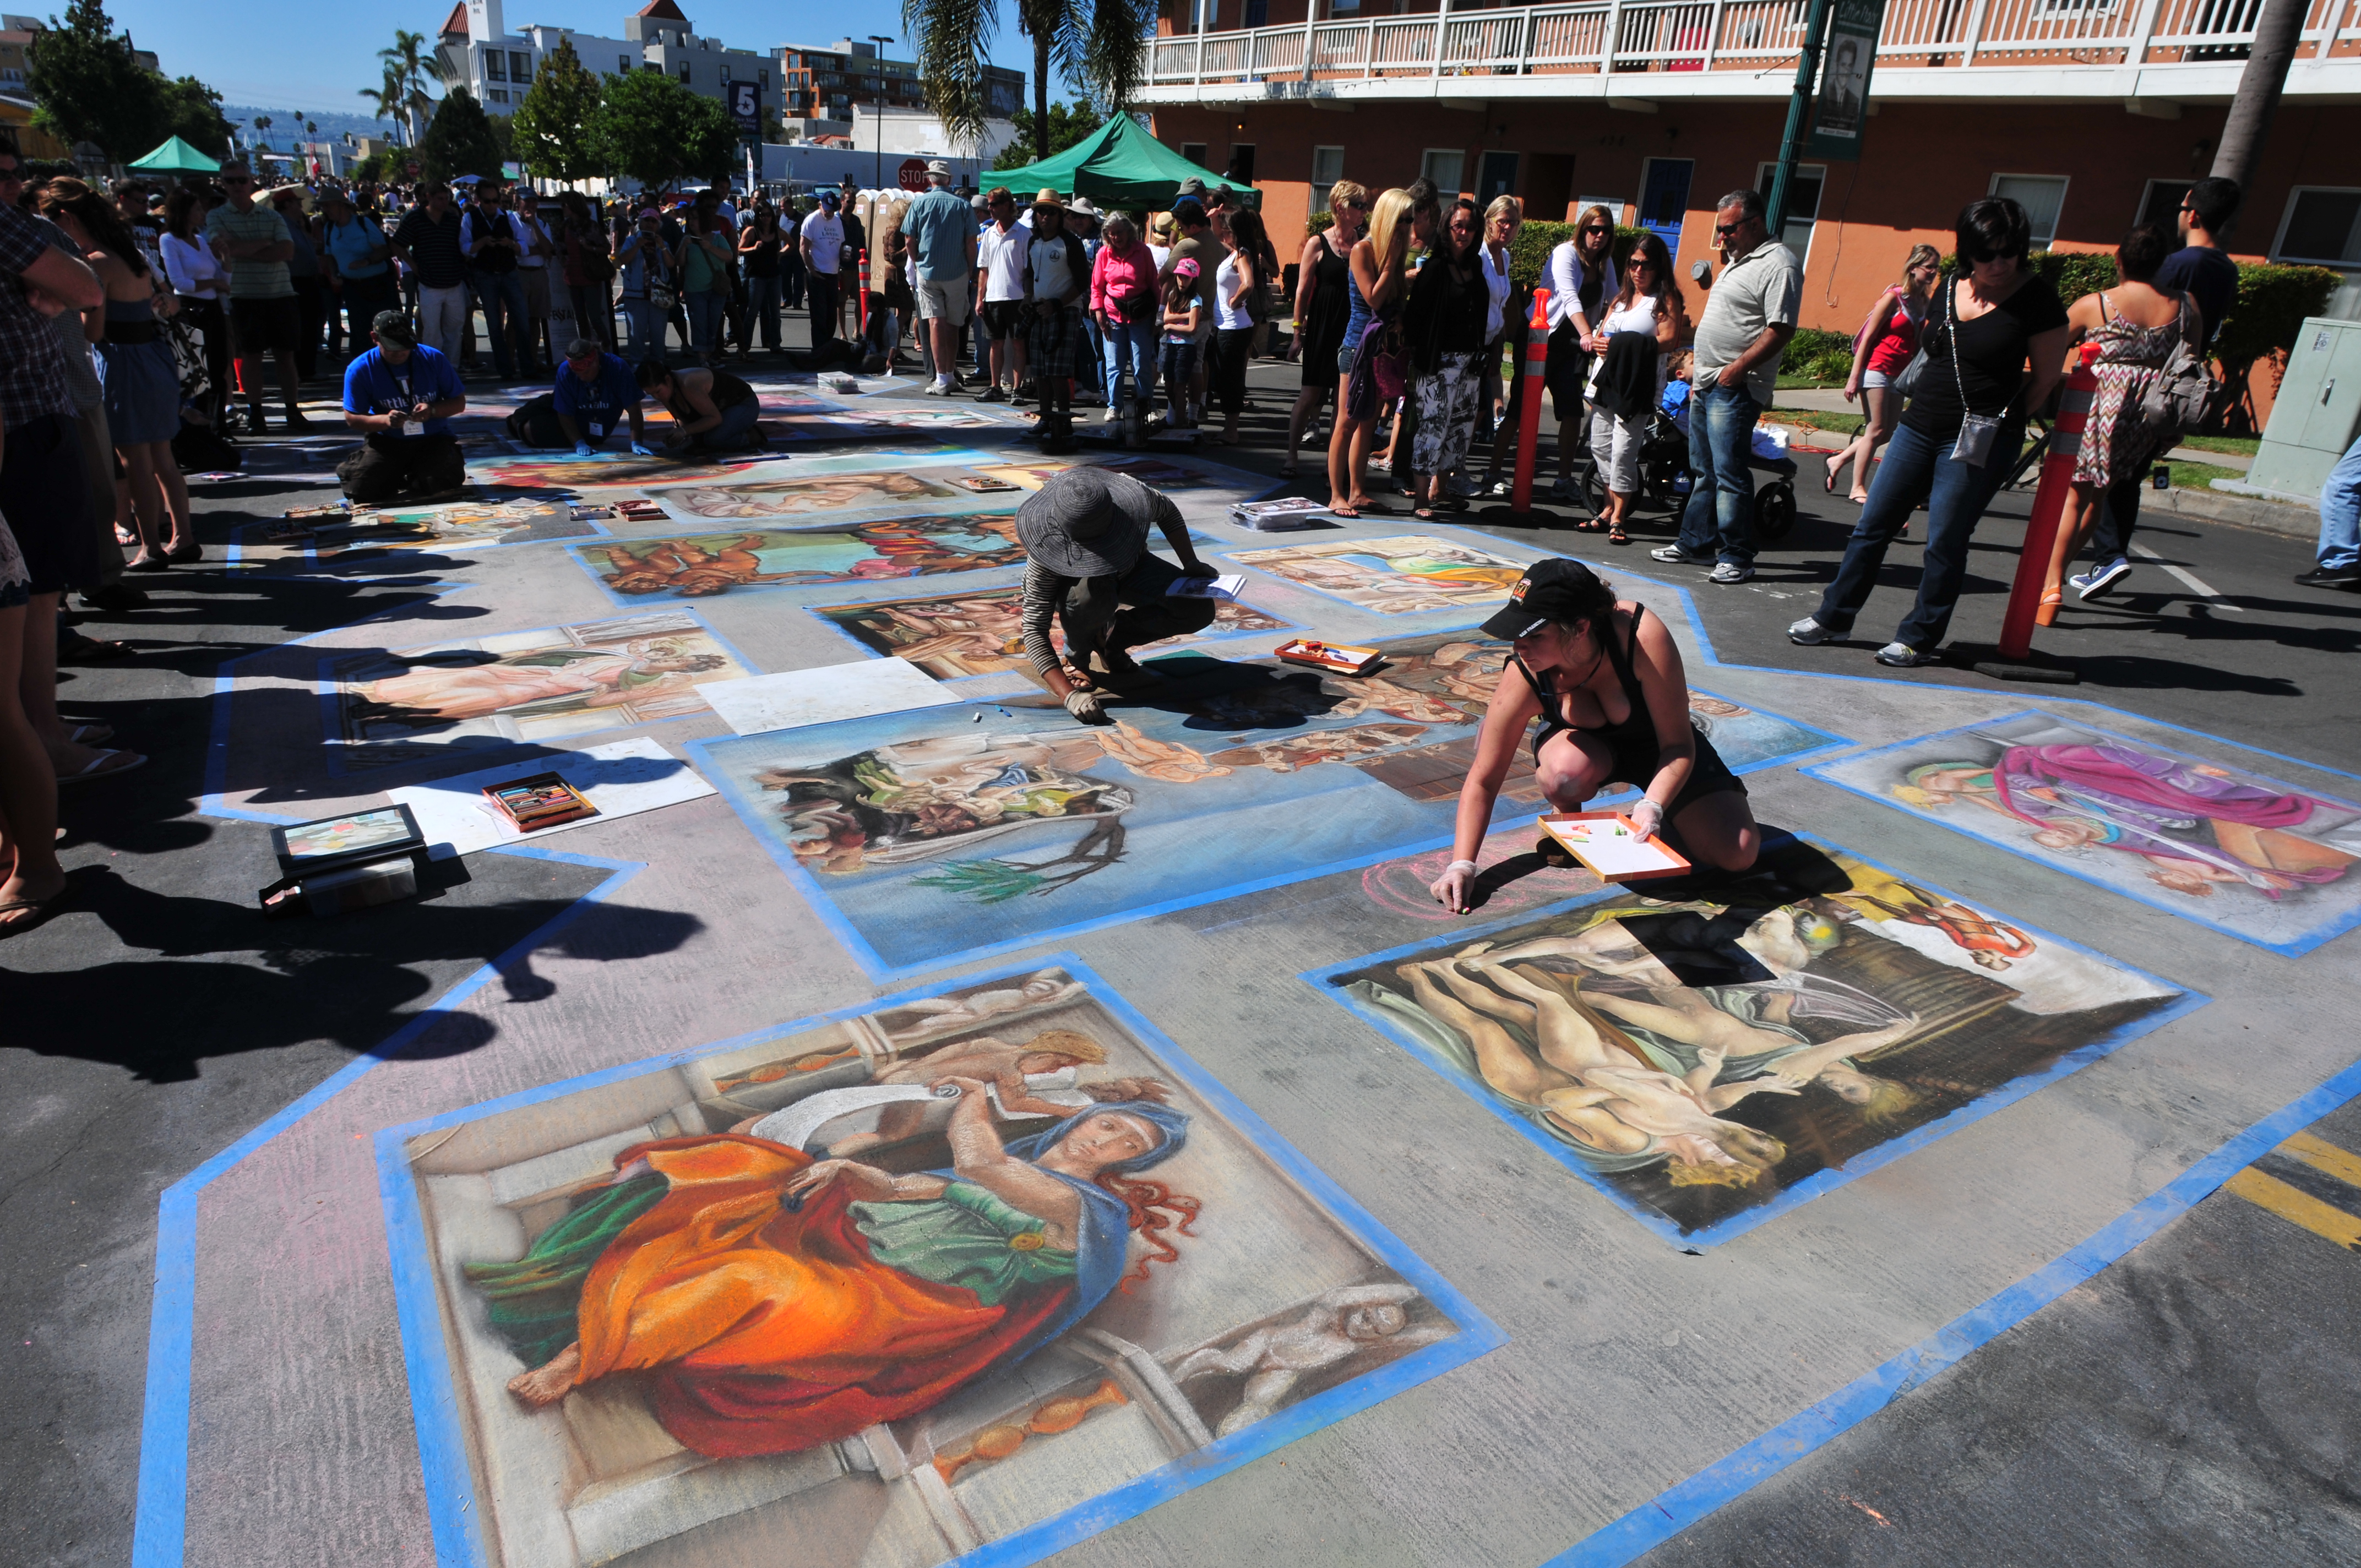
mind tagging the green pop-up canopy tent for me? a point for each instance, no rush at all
(177, 157)
(1120, 166)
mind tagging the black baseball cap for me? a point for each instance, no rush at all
(1554, 589)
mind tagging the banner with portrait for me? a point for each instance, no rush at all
(1840, 111)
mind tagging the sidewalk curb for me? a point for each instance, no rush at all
(2238, 511)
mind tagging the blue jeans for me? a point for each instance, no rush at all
(647, 330)
(731, 434)
(501, 296)
(1918, 468)
(1088, 364)
(763, 306)
(1131, 346)
(705, 308)
(1722, 489)
(791, 278)
(2340, 513)
(1180, 366)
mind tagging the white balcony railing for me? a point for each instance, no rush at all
(1748, 35)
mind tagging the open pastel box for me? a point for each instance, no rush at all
(1340, 658)
(1607, 843)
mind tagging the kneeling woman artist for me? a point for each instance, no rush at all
(1606, 682)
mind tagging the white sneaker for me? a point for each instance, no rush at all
(1809, 632)
(1676, 555)
(1729, 572)
(1901, 656)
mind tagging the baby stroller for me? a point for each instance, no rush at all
(1664, 479)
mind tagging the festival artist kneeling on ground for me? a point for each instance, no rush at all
(1085, 539)
(404, 395)
(1606, 682)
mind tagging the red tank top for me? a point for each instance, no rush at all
(1901, 341)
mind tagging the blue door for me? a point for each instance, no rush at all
(1665, 199)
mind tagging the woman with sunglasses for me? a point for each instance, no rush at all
(1505, 317)
(1886, 341)
(1581, 274)
(1322, 306)
(1445, 327)
(1638, 330)
(1961, 437)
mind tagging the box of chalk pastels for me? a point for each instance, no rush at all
(1335, 658)
(341, 863)
(540, 800)
(1607, 843)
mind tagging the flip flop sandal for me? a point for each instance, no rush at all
(90, 734)
(103, 767)
(44, 910)
(1616, 536)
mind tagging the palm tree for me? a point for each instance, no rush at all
(1098, 44)
(262, 130)
(387, 100)
(409, 67)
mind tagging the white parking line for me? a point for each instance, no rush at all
(2145, 554)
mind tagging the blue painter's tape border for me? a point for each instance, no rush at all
(1677, 1508)
(2326, 931)
(1324, 981)
(159, 1527)
(753, 813)
(450, 1486)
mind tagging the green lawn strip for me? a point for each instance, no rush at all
(2247, 445)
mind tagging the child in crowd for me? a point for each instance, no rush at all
(1185, 313)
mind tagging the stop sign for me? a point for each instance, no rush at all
(913, 174)
(413, 170)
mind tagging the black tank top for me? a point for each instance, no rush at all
(1329, 274)
(1634, 739)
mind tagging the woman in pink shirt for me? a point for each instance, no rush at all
(1884, 345)
(1123, 302)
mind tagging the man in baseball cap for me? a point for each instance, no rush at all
(402, 394)
(1087, 562)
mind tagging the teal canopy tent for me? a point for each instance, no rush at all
(177, 157)
(1120, 166)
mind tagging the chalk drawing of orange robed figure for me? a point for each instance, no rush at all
(780, 1302)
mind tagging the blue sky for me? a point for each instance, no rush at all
(310, 56)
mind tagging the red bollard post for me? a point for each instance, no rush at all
(2033, 563)
(1529, 419)
(862, 314)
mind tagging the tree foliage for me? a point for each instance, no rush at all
(460, 140)
(87, 86)
(656, 130)
(1068, 127)
(554, 129)
(1099, 46)
(192, 111)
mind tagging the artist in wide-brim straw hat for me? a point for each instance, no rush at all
(1087, 562)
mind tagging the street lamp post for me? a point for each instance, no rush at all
(878, 179)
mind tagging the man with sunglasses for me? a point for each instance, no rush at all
(263, 313)
(1749, 317)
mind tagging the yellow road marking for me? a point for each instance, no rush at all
(2297, 1208)
(2321, 1155)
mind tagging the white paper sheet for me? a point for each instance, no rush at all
(1608, 847)
(759, 703)
(621, 778)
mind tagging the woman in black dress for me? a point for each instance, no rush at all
(1322, 305)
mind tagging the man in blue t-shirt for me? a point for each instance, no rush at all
(596, 392)
(402, 396)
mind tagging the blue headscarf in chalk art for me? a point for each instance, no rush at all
(1103, 1235)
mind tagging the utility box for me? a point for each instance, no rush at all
(2316, 415)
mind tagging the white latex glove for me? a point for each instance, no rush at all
(640, 451)
(1646, 817)
(582, 449)
(1085, 706)
(1451, 888)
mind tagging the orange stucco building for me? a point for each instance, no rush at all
(2091, 121)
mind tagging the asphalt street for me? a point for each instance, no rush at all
(145, 1042)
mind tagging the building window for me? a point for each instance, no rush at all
(765, 75)
(1195, 152)
(495, 66)
(521, 68)
(1327, 168)
(622, 62)
(2042, 196)
(1257, 13)
(1445, 166)
(2322, 227)
(498, 96)
(683, 71)
(1803, 203)
(2160, 203)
